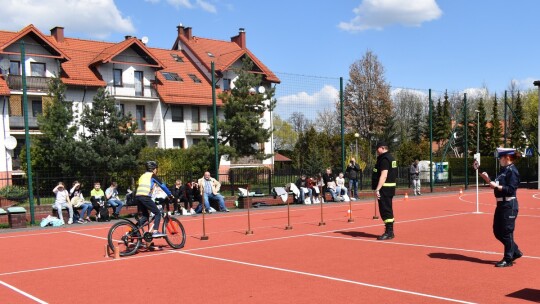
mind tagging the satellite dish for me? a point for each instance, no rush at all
(144, 39)
(261, 90)
(10, 142)
(4, 64)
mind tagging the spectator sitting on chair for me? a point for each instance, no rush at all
(77, 200)
(62, 200)
(209, 189)
(340, 186)
(112, 199)
(97, 197)
(180, 193)
(328, 177)
(302, 185)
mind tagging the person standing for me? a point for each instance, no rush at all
(505, 190)
(384, 183)
(355, 174)
(415, 176)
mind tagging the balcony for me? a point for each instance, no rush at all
(128, 90)
(17, 122)
(33, 83)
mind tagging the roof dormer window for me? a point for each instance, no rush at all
(177, 58)
(194, 78)
(172, 76)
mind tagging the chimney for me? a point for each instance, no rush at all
(187, 33)
(180, 29)
(240, 39)
(127, 37)
(58, 33)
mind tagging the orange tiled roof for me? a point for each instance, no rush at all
(30, 30)
(186, 91)
(4, 89)
(108, 54)
(225, 54)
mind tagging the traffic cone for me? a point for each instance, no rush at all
(406, 196)
(460, 192)
(348, 212)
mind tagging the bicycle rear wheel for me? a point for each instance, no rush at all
(126, 236)
(176, 235)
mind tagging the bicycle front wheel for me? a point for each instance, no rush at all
(126, 236)
(176, 235)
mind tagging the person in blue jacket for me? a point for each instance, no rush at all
(504, 221)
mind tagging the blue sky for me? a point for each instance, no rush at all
(437, 44)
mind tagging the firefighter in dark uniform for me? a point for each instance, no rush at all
(384, 183)
(504, 221)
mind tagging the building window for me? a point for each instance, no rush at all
(117, 77)
(178, 143)
(195, 118)
(196, 141)
(171, 76)
(226, 84)
(177, 113)
(210, 114)
(140, 117)
(37, 108)
(194, 78)
(15, 68)
(139, 83)
(37, 69)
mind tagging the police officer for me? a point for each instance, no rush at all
(504, 221)
(384, 183)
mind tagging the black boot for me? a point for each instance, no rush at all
(388, 232)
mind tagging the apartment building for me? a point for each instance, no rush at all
(167, 91)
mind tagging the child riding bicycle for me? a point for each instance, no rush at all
(143, 197)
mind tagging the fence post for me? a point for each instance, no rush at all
(231, 177)
(37, 190)
(269, 181)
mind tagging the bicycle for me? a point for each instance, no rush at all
(129, 236)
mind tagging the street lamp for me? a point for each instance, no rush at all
(477, 155)
(356, 135)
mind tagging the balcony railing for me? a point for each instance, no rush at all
(33, 83)
(17, 122)
(128, 90)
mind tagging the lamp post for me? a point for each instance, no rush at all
(477, 155)
(537, 84)
(356, 135)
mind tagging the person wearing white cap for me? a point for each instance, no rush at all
(504, 221)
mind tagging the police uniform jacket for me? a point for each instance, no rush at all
(508, 178)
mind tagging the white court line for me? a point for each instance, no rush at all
(416, 245)
(17, 290)
(326, 277)
(211, 247)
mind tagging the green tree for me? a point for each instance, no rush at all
(241, 127)
(284, 135)
(485, 147)
(517, 130)
(54, 149)
(108, 142)
(495, 131)
(530, 117)
(416, 125)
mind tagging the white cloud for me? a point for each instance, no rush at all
(97, 18)
(525, 84)
(204, 5)
(308, 104)
(474, 93)
(377, 14)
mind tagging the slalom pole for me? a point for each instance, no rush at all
(375, 216)
(321, 223)
(204, 237)
(350, 220)
(288, 227)
(248, 231)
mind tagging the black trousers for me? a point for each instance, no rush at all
(145, 203)
(385, 207)
(504, 222)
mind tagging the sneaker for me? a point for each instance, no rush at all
(225, 210)
(87, 219)
(70, 221)
(81, 221)
(158, 234)
(191, 211)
